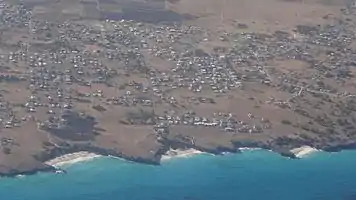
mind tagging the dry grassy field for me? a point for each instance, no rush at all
(259, 15)
(211, 27)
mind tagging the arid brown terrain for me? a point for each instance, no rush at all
(134, 78)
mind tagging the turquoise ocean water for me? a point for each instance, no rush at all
(252, 175)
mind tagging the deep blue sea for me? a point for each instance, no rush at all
(252, 175)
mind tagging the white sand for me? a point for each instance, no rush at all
(72, 158)
(83, 156)
(179, 153)
(303, 151)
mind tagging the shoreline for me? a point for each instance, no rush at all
(303, 151)
(83, 156)
(72, 158)
(180, 153)
(57, 163)
(244, 149)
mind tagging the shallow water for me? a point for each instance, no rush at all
(252, 175)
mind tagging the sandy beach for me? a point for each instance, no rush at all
(83, 156)
(303, 151)
(72, 158)
(174, 153)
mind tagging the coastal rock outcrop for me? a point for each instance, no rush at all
(11, 167)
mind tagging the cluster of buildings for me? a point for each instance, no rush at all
(63, 61)
(223, 121)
